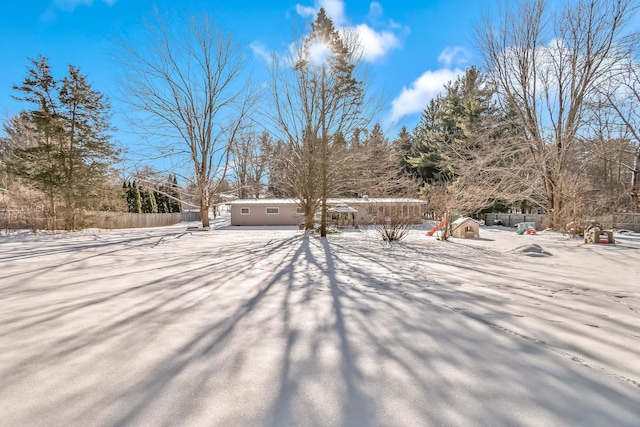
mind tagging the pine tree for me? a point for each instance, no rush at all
(454, 148)
(137, 198)
(425, 155)
(148, 202)
(449, 125)
(330, 81)
(37, 162)
(402, 150)
(70, 157)
(174, 202)
(128, 195)
(161, 199)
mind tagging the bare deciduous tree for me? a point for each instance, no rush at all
(189, 83)
(623, 96)
(250, 158)
(375, 168)
(546, 74)
(319, 98)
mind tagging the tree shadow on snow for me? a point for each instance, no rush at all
(300, 331)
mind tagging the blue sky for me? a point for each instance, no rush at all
(413, 46)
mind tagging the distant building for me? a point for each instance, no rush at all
(341, 212)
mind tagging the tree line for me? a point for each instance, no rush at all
(547, 122)
(61, 151)
(60, 146)
(164, 198)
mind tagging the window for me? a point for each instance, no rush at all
(299, 210)
(273, 211)
(244, 211)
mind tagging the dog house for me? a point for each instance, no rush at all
(465, 228)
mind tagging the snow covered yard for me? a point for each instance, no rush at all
(264, 327)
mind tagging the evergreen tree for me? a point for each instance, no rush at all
(129, 196)
(174, 202)
(148, 202)
(70, 157)
(153, 204)
(161, 199)
(376, 148)
(425, 155)
(136, 198)
(402, 150)
(449, 125)
(334, 97)
(454, 146)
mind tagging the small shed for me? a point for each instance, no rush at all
(465, 228)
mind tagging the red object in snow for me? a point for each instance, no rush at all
(434, 229)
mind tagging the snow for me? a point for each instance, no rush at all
(265, 326)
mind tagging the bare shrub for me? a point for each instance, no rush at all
(393, 229)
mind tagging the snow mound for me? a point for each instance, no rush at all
(531, 250)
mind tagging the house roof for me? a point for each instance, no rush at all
(367, 200)
(458, 222)
(262, 202)
(342, 207)
(331, 201)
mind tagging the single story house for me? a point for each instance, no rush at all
(341, 212)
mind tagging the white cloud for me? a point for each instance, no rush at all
(334, 9)
(318, 52)
(376, 44)
(430, 84)
(375, 11)
(50, 15)
(70, 5)
(414, 99)
(306, 10)
(259, 49)
(453, 56)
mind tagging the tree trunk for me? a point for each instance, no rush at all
(323, 206)
(204, 212)
(324, 165)
(309, 219)
(635, 185)
(52, 204)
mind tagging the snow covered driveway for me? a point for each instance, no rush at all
(264, 327)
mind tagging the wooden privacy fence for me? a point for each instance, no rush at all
(626, 221)
(118, 220)
(510, 220)
(16, 218)
(191, 216)
(36, 219)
